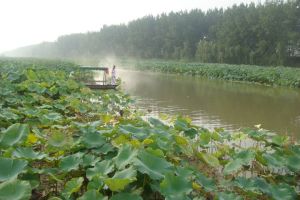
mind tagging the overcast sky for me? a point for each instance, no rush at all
(25, 22)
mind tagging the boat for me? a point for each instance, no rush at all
(97, 84)
(101, 87)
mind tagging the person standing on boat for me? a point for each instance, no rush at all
(113, 75)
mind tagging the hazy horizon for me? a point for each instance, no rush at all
(31, 22)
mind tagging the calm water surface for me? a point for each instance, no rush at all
(215, 103)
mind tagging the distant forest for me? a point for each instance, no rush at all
(261, 34)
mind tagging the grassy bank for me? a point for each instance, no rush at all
(274, 76)
(59, 140)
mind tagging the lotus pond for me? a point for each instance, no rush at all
(59, 140)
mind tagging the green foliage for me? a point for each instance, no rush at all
(15, 189)
(98, 154)
(175, 187)
(91, 195)
(126, 196)
(69, 163)
(274, 76)
(28, 153)
(72, 186)
(265, 34)
(125, 156)
(152, 165)
(14, 134)
(10, 168)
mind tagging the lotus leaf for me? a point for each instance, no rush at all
(10, 168)
(15, 190)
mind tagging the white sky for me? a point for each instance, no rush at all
(25, 22)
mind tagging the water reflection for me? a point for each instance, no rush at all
(215, 103)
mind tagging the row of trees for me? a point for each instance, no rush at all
(264, 34)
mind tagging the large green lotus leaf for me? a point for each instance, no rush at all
(274, 160)
(161, 132)
(293, 163)
(129, 173)
(228, 196)
(163, 142)
(91, 195)
(14, 134)
(95, 184)
(184, 171)
(242, 158)
(71, 162)
(31, 112)
(262, 185)
(125, 156)
(137, 132)
(33, 178)
(204, 137)
(233, 166)
(181, 124)
(175, 187)
(13, 76)
(247, 184)
(279, 140)
(157, 123)
(53, 91)
(46, 107)
(10, 168)
(28, 153)
(104, 149)
(126, 196)
(210, 159)
(152, 165)
(117, 184)
(283, 191)
(246, 156)
(191, 132)
(207, 183)
(89, 160)
(254, 185)
(36, 87)
(60, 106)
(31, 75)
(51, 117)
(93, 139)
(101, 169)
(78, 106)
(58, 140)
(72, 186)
(8, 115)
(72, 85)
(15, 190)
(255, 134)
(181, 141)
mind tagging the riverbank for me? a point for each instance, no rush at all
(273, 76)
(61, 140)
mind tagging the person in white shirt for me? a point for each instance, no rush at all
(113, 75)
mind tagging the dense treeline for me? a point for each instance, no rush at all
(264, 34)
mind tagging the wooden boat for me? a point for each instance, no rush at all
(101, 87)
(98, 85)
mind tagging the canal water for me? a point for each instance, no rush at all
(215, 103)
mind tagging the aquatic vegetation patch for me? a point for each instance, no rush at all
(274, 76)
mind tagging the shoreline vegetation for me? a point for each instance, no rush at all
(60, 140)
(271, 76)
